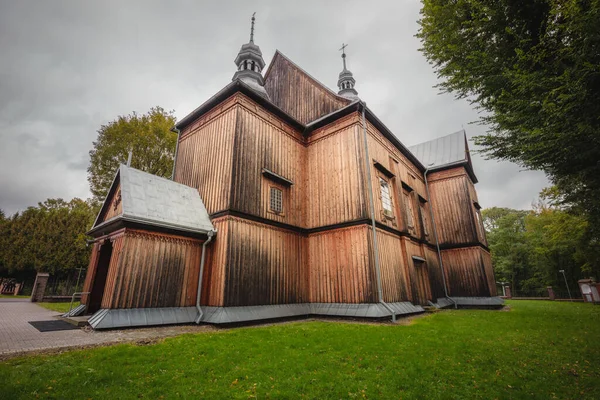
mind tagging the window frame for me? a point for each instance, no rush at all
(388, 212)
(275, 189)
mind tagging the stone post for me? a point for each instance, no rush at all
(551, 293)
(39, 286)
(507, 291)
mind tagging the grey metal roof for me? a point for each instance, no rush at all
(449, 149)
(152, 200)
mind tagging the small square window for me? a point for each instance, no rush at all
(276, 203)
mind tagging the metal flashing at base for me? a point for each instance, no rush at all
(132, 317)
(470, 302)
(77, 311)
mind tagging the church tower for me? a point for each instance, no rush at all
(250, 63)
(346, 80)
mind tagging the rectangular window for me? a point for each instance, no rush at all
(424, 216)
(276, 203)
(410, 220)
(386, 196)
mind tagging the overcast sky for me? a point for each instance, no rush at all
(67, 67)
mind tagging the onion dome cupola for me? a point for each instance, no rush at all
(250, 63)
(346, 80)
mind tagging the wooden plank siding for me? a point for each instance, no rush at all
(341, 266)
(418, 272)
(205, 154)
(213, 286)
(152, 270)
(261, 144)
(91, 273)
(469, 272)
(114, 206)
(453, 207)
(297, 93)
(395, 277)
(335, 179)
(435, 273)
(265, 265)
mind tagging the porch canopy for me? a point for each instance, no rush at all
(141, 200)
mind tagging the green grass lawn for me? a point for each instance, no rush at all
(59, 307)
(10, 296)
(539, 349)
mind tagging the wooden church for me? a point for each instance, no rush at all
(288, 199)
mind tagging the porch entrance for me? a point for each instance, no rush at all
(97, 292)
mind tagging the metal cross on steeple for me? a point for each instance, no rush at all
(343, 49)
(252, 28)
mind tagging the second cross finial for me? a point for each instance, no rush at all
(343, 49)
(252, 28)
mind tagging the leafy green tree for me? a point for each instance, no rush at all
(533, 68)
(148, 136)
(507, 241)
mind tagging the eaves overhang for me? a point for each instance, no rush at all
(228, 91)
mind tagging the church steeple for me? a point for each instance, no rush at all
(250, 63)
(346, 81)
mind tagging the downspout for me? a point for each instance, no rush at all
(372, 206)
(200, 274)
(178, 132)
(435, 235)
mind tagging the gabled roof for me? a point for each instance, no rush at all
(445, 152)
(230, 89)
(154, 201)
(297, 67)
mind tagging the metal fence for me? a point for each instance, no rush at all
(560, 293)
(65, 285)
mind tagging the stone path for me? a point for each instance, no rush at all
(17, 336)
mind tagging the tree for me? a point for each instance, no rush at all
(533, 68)
(47, 238)
(148, 136)
(506, 237)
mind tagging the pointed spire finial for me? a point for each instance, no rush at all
(343, 49)
(252, 28)
(346, 81)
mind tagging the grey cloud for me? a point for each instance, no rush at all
(68, 67)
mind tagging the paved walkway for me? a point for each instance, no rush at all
(18, 336)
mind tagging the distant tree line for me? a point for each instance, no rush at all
(529, 248)
(47, 238)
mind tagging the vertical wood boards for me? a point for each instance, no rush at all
(91, 273)
(341, 267)
(417, 271)
(452, 207)
(205, 153)
(265, 265)
(114, 206)
(383, 152)
(213, 282)
(260, 144)
(435, 273)
(395, 279)
(335, 181)
(152, 270)
(469, 272)
(298, 94)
